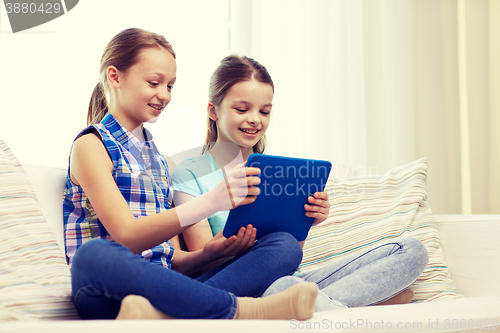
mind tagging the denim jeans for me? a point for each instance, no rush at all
(365, 279)
(104, 272)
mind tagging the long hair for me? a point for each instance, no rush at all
(231, 70)
(122, 52)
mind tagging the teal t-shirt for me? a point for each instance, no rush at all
(196, 176)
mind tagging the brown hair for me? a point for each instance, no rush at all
(122, 52)
(231, 70)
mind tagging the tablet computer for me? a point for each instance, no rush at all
(286, 183)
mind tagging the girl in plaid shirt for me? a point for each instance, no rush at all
(119, 217)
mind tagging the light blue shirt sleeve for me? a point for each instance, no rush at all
(184, 180)
(196, 176)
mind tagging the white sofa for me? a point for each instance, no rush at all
(470, 245)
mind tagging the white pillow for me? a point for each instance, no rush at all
(35, 282)
(366, 212)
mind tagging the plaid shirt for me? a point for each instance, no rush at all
(142, 176)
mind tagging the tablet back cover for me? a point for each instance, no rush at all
(286, 183)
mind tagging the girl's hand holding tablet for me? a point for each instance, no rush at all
(318, 207)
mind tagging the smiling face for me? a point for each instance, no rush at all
(142, 92)
(244, 114)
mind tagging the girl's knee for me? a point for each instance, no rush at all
(91, 249)
(90, 254)
(285, 244)
(288, 242)
(416, 249)
(282, 284)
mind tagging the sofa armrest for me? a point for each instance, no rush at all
(49, 183)
(472, 251)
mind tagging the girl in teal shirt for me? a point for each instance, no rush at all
(239, 110)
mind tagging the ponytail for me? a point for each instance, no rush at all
(98, 106)
(211, 137)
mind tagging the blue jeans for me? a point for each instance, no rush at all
(104, 272)
(365, 279)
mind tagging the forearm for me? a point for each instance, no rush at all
(190, 262)
(196, 210)
(146, 232)
(149, 231)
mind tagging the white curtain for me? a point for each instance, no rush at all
(376, 84)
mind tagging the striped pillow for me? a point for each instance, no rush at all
(35, 280)
(366, 212)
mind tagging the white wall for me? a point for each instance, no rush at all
(47, 73)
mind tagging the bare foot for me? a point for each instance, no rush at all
(138, 307)
(403, 297)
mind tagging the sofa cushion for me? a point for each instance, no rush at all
(35, 280)
(368, 211)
